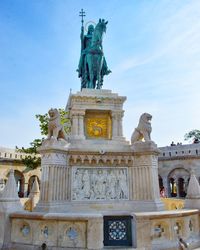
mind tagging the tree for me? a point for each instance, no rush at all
(193, 135)
(33, 160)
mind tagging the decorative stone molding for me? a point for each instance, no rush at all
(54, 158)
(97, 159)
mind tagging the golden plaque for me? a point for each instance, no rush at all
(98, 125)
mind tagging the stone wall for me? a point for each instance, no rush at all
(58, 231)
(150, 230)
(176, 162)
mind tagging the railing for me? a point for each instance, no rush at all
(12, 154)
(189, 150)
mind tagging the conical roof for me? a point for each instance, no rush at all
(193, 191)
(10, 192)
(35, 188)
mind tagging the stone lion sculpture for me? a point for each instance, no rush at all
(143, 130)
(55, 128)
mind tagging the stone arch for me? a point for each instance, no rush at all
(178, 181)
(20, 180)
(30, 183)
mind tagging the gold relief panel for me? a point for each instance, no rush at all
(98, 125)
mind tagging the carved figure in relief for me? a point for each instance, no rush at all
(122, 184)
(112, 181)
(143, 130)
(100, 185)
(55, 128)
(77, 185)
(86, 184)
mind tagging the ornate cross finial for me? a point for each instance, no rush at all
(82, 14)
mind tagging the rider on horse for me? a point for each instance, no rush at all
(92, 64)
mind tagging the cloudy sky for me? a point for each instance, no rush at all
(152, 48)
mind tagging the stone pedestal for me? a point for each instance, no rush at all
(55, 186)
(144, 175)
(98, 170)
(105, 113)
(97, 190)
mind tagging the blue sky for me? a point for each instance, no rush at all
(152, 48)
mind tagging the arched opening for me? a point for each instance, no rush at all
(30, 183)
(181, 187)
(173, 187)
(19, 177)
(178, 181)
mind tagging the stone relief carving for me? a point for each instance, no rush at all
(72, 233)
(143, 130)
(45, 231)
(99, 184)
(25, 230)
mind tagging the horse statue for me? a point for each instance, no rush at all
(92, 64)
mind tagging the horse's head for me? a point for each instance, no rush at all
(102, 25)
(98, 33)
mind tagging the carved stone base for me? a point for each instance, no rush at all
(148, 146)
(106, 207)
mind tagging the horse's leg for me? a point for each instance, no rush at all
(99, 77)
(90, 73)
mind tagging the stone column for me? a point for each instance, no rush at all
(78, 124)
(166, 185)
(177, 187)
(54, 179)
(120, 129)
(117, 130)
(75, 125)
(81, 125)
(114, 125)
(25, 188)
(144, 174)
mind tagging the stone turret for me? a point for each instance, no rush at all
(33, 196)
(35, 188)
(9, 197)
(9, 202)
(193, 193)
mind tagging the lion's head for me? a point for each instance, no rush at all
(146, 117)
(145, 122)
(53, 113)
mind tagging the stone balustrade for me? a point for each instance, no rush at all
(12, 154)
(180, 151)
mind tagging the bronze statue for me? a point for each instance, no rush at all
(92, 64)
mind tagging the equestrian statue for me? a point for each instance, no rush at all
(92, 64)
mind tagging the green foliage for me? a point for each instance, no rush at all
(193, 135)
(43, 119)
(33, 160)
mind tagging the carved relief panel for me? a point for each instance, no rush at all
(99, 183)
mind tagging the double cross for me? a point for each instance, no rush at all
(82, 14)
